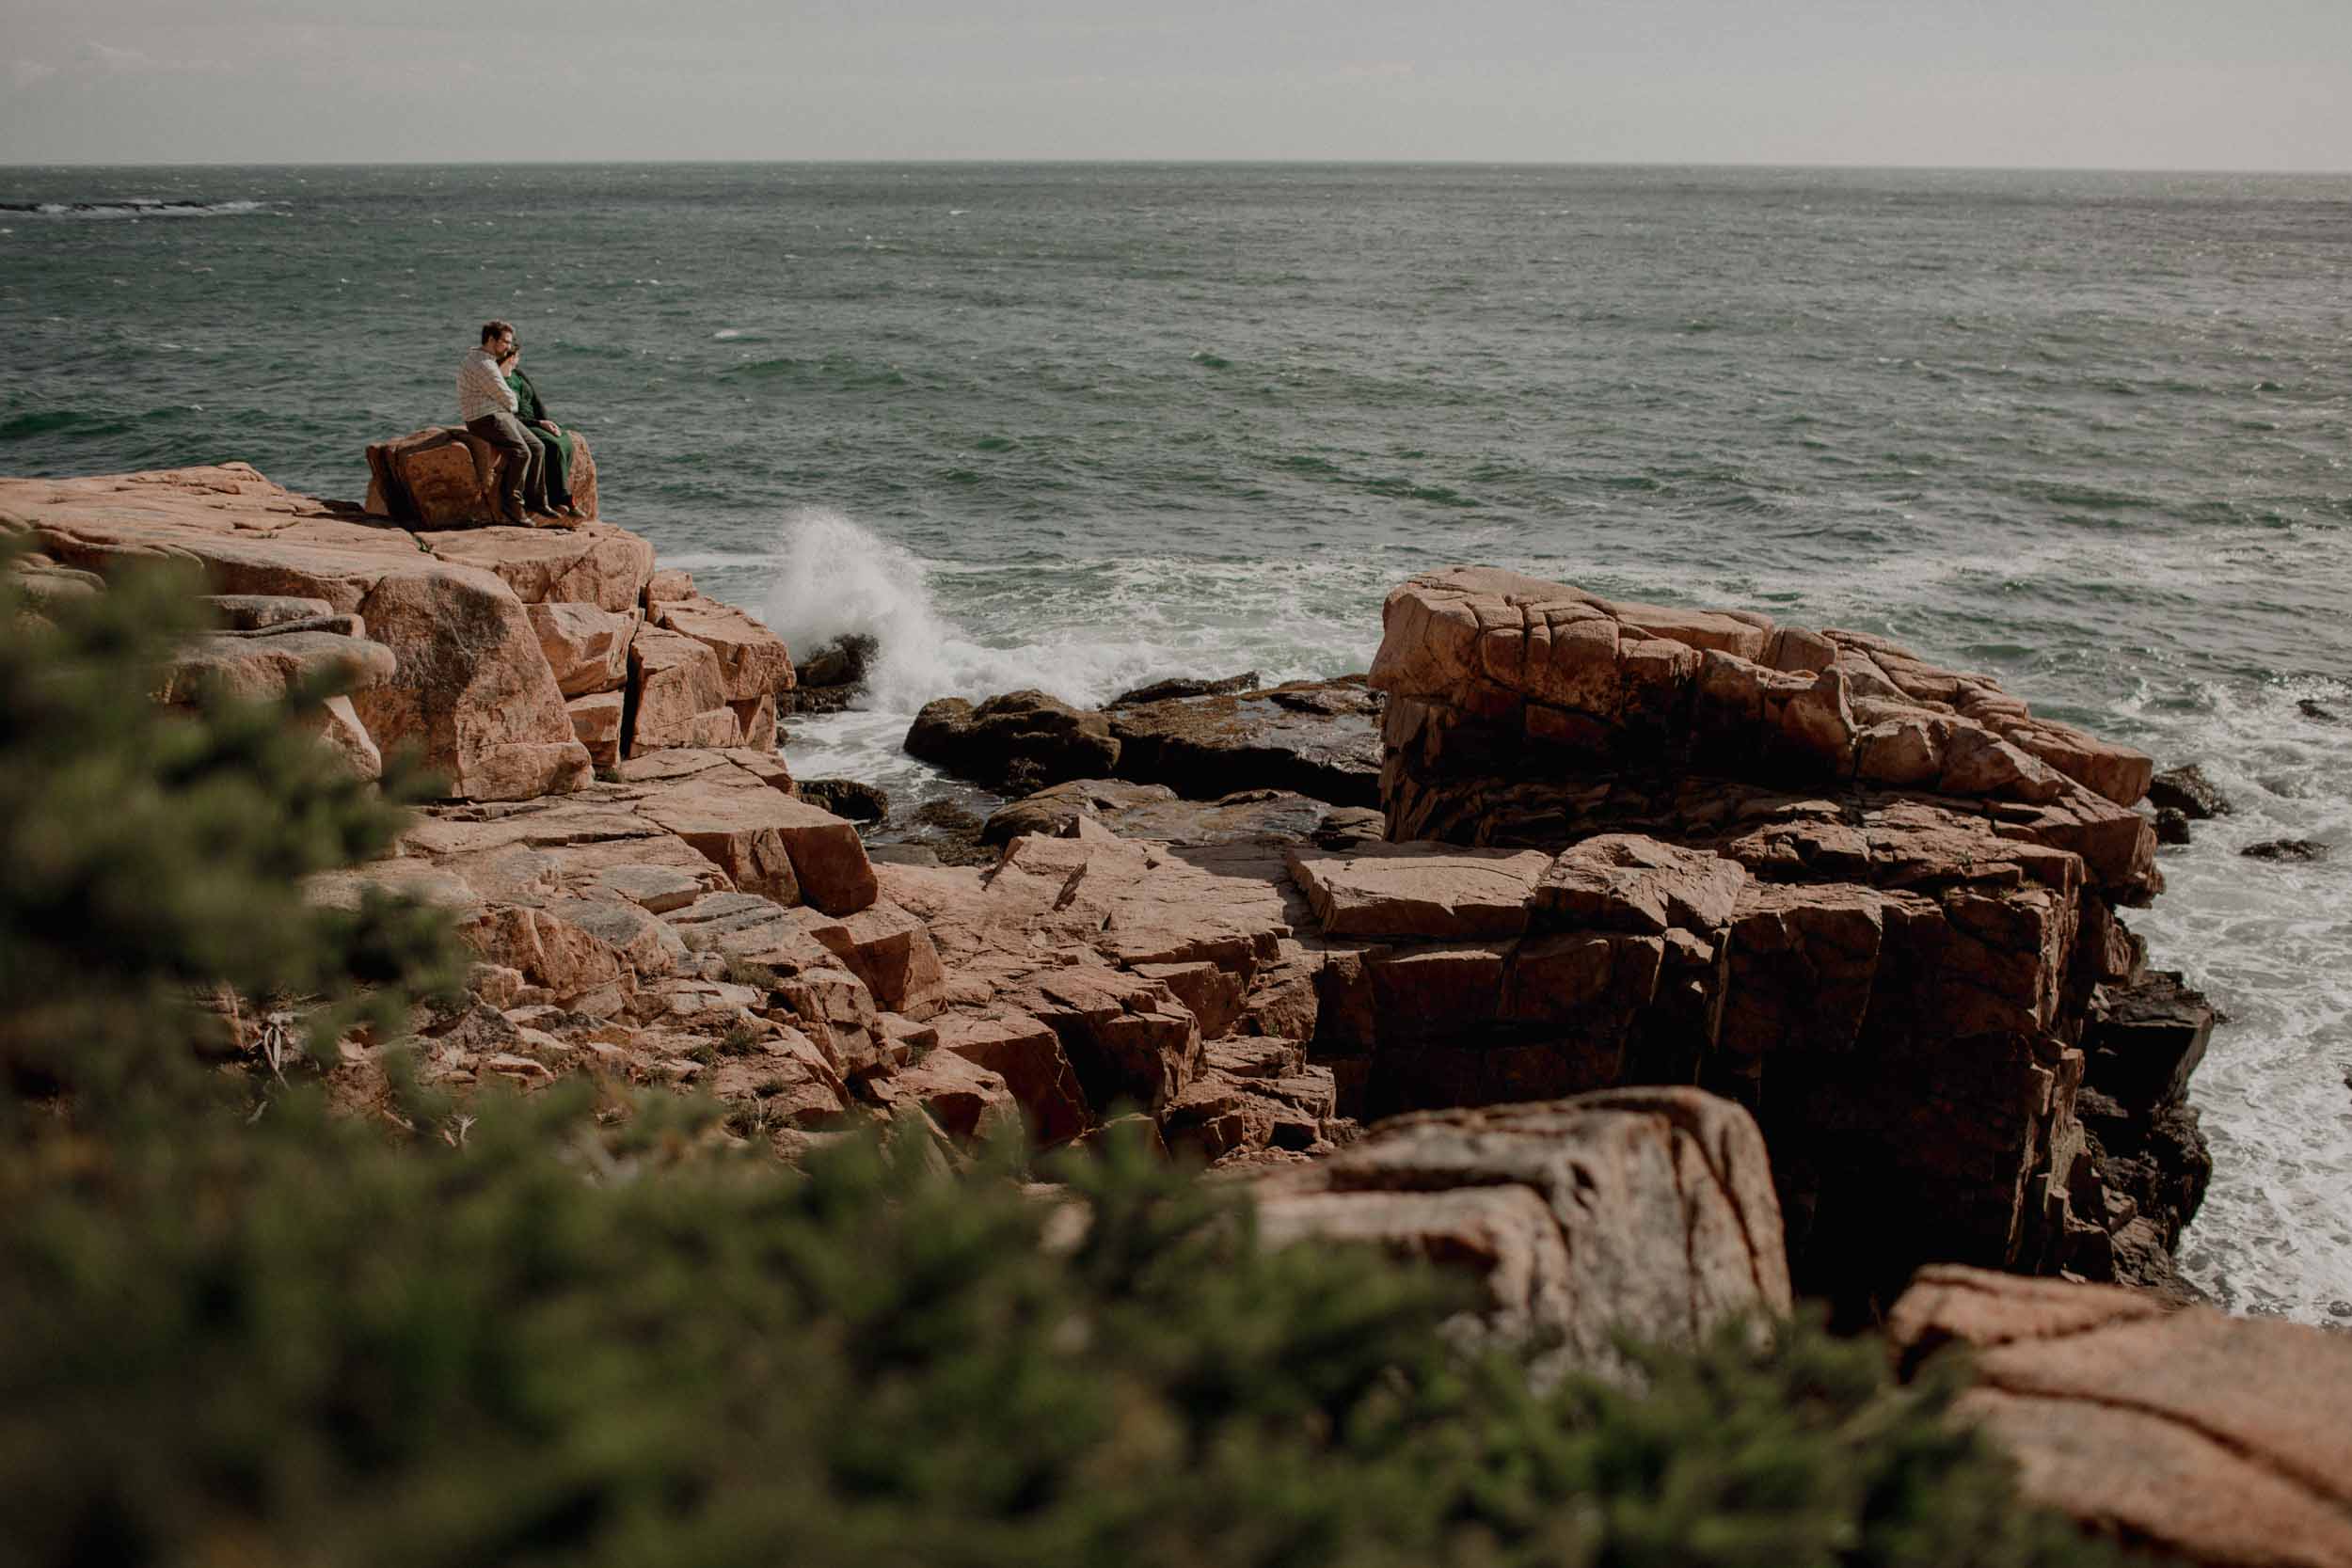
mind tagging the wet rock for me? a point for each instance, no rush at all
(834, 677)
(1318, 739)
(1021, 735)
(2172, 825)
(859, 802)
(2314, 712)
(2303, 849)
(1160, 691)
(1157, 811)
(2187, 790)
(949, 832)
(2211, 1439)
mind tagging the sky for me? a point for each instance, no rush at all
(2077, 83)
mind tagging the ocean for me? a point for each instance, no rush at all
(1081, 426)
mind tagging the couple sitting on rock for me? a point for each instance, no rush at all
(502, 408)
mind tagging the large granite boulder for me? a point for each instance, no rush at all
(441, 477)
(2214, 1440)
(1646, 1212)
(469, 690)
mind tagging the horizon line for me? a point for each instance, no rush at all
(974, 160)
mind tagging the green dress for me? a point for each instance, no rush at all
(529, 410)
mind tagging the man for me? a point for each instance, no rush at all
(487, 405)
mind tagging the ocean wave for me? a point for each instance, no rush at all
(140, 207)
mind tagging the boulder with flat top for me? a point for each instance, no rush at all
(441, 477)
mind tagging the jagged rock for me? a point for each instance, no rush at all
(596, 724)
(670, 584)
(2216, 1440)
(441, 477)
(1017, 736)
(892, 953)
(1029, 1056)
(1648, 1211)
(469, 690)
(859, 802)
(680, 696)
(755, 719)
(1875, 899)
(1160, 691)
(765, 840)
(1494, 677)
(2187, 790)
(587, 648)
(2302, 849)
(752, 661)
(1320, 738)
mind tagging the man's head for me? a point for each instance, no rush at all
(497, 337)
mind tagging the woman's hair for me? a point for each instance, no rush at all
(493, 331)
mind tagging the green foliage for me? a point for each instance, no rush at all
(559, 1331)
(147, 855)
(575, 1342)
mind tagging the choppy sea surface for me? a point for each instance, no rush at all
(1083, 426)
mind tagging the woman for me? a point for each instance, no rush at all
(557, 440)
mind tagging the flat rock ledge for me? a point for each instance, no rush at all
(2215, 1440)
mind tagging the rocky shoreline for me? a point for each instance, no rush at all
(1686, 963)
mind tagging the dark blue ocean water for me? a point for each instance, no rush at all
(1080, 426)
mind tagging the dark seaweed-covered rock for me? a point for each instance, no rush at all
(833, 678)
(1316, 737)
(2286, 850)
(859, 802)
(1020, 739)
(2187, 790)
(2172, 825)
(1160, 691)
(2317, 714)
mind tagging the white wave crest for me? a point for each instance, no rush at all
(137, 207)
(835, 579)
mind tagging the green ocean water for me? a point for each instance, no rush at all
(1082, 426)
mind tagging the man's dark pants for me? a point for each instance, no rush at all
(520, 480)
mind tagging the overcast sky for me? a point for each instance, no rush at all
(2125, 84)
